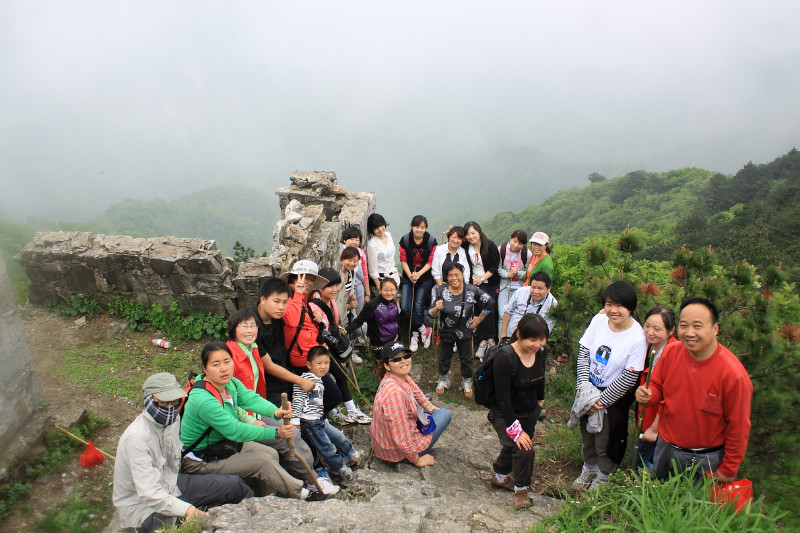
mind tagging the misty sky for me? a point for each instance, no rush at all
(104, 100)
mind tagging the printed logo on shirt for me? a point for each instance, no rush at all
(598, 365)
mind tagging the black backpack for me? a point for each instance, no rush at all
(483, 379)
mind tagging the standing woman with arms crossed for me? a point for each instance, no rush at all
(417, 248)
(380, 252)
(484, 260)
(519, 398)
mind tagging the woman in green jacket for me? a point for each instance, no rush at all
(541, 261)
(219, 436)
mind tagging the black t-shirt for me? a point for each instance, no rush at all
(271, 341)
(518, 389)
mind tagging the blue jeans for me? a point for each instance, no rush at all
(642, 455)
(441, 417)
(329, 441)
(422, 295)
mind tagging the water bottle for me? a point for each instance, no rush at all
(163, 343)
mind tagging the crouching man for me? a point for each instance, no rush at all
(148, 490)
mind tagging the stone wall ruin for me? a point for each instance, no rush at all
(68, 265)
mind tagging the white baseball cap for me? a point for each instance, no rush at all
(306, 266)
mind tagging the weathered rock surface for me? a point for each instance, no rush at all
(447, 497)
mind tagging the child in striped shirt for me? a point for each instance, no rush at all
(308, 409)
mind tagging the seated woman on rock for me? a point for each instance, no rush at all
(216, 441)
(399, 406)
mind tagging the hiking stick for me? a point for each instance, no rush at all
(351, 381)
(353, 373)
(646, 384)
(293, 450)
(84, 442)
(371, 355)
(411, 313)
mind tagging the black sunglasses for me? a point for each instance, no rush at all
(400, 358)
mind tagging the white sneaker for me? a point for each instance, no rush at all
(426, 337)
(359, 417)
(588, 473)
(357, 459)
(601, 479)
(466, 386)
(414, 344)
(304, 492)
(356, 359)
(342, 419)
(442, 384)
(481, 350)
(327, 486)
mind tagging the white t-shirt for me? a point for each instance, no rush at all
(380, 258)
(610, 352)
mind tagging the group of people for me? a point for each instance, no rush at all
(233, 435)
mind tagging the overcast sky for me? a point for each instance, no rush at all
(103, 100)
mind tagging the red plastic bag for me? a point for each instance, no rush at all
(737, 494)
(91, 457)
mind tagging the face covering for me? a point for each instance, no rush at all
(162, 415)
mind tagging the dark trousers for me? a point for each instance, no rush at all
(206, 490)
(668, 458)
(464, 347)
(512, 459)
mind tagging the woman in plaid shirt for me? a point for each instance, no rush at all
(399, 404)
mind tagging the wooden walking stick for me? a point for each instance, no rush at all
(293, 450)
(647, 385)
(411, 312)
(84, 442)
(355, 384)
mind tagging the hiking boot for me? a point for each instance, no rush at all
(588, 473)
(507, 483)
(481, 351)
(359, 417)
(521, 500)
(327, 486)
(356, 359)
(414, 344)
(601, 479)
(466, 386)
(426, 337)
(357, 458)
(347, 474)
(442, 384)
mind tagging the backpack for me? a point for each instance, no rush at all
(202, 384)
(483, 379)
(523, 254)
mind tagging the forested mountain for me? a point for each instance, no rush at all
(225, 213)
(753, 215)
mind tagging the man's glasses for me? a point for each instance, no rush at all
(400, 358)
(170, 403)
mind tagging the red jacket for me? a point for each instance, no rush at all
(650, 412)
(243, 369)
(309, 331)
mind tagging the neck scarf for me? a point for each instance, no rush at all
(162, 415)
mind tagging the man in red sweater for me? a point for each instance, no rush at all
(705, 417)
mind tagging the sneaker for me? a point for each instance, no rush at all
(426, 337)
(414, 344)
(601, 479)
(347, 474)
(479, 353)
(327, 486)
(342, 418)
(466, 386)
(442, 384)
(588, 473)
(521, 500)
(304, 492)
(357, 459)
(359, 417)
(356, 359)
(507, 483)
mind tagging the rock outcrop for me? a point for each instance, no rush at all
(67, 265)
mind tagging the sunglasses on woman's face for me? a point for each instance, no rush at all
(400, 358)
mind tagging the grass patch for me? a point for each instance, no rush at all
(75, 516)
(560, 444)
(121, 371)
(60, 449)
(634, 502)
